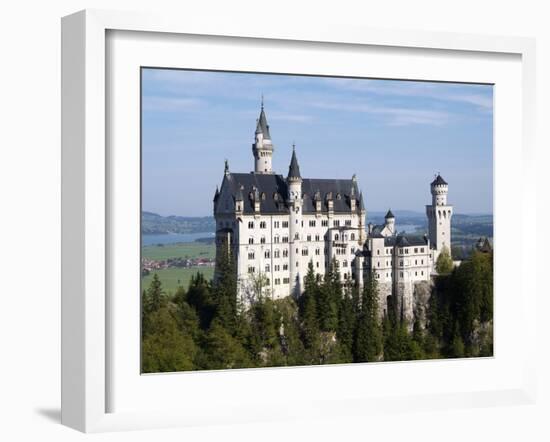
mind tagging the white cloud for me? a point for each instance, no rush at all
(398, 116)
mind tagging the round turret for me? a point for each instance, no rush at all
(439, 189)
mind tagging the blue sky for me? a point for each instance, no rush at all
(395, 135)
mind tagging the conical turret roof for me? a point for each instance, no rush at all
(262, 127)
(439, 181)
(294, 168)
(389, 214)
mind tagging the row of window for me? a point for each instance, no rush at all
(402, 251)
(312, 223)
(400, 262)
(277, 238)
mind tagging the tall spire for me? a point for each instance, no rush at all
(294, 168)
(262, 127)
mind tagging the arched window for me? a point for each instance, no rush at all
(251, 240)
(336, 237)
(353, 236)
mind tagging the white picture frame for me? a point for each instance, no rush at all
(87, 205)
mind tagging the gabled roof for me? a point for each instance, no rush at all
(389, 215)
(439, 181)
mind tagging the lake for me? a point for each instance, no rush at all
(171, 238)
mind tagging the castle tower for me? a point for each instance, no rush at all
(439, 215)
(294, 182)
(262, 148)
(390, 221)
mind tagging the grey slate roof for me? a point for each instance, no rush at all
(275, 190)
(439, 181)
(389, 215)
(294, 168)
(405, 241)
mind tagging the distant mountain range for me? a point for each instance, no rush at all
(152, 223)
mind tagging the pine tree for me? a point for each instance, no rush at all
(346, 323)
(309, 318)
(225, 290)
(368, 333)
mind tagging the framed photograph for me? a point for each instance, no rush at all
(278, 223)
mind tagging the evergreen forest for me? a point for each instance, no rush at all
(204, 327)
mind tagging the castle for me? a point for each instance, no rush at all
(275, 226)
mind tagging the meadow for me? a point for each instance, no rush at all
(173, 278)
(188, 250)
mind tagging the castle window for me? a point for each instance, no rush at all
(336, 237)
(276, 253)
(353, 250)
(262, 224)
(422, 250)
(309, 237)
(304, 252)
(285, 239)
(344, 263)
(277, 281)
(262, 240)
(296, 236)
(285, 266)
(276, 239)
(422, 272)
(317, 251)
(378, 264)
(317, 264)
(421, 261)
(416, 250)
(250, 224)
(285, 224)
(345, 276)
(251, 269)
(401, 262)
(251, 240)
(378, 251)
(317, 238)
(250, 255)
(352, 236)
(336, 223)
(348, 222)
(415, 273)
(276, 224)
(312, 223)
(267, 268)
(286, 280)
(302, 223)
(324, 223)
(401, 274)
(277, 267)
(266, 254)
(285, 253)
